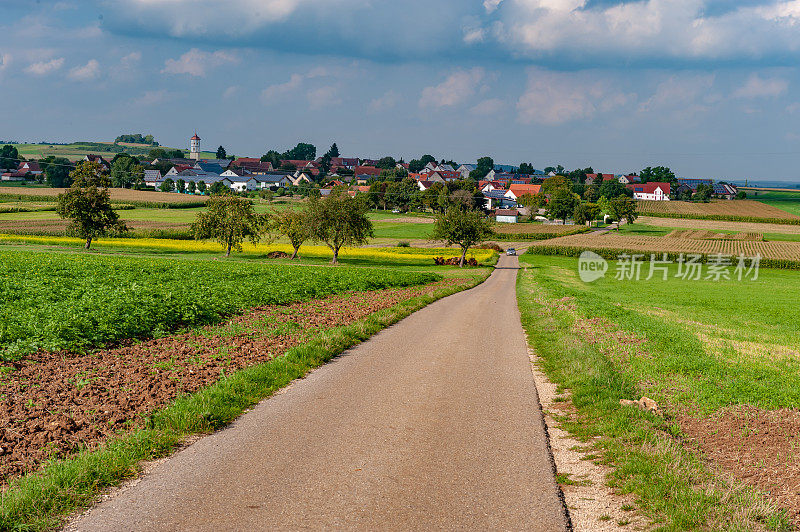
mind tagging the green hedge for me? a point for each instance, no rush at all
(521, 237)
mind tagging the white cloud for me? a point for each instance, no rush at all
(131, 58)
(489, 107)
(196, 62)
(455, 90)
(389, 100)
(152, 98)
(5, 60)
(491, 5)
(682, 92)
(757, 87)
(87, 72)
(322, 97)
(45, 67)
(294, 84)
(230, 92)
(556, 97)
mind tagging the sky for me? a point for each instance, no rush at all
(706, 87)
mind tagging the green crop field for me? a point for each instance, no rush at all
(79, 150)
(786, 201)
(54, 300)
(668, 340)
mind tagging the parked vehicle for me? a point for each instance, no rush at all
(511, 251)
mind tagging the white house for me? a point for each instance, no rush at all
(653, 191)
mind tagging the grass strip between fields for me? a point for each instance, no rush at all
(42, 500)
(720, 217)
(672, 486)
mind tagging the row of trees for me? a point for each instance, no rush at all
(336, 220)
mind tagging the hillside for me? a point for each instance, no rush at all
(78, 150)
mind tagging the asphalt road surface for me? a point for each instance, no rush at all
(434, 423)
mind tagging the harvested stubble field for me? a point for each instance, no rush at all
(699, 234)
(570, 245)
(59, 402)
(719, 225)
(733, 210)
(118, 195)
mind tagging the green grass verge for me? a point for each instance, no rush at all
(575, 329)
(41, 501)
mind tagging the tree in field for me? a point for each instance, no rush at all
(462, 227)
(126, 172)
(180, 185)
(218, 188)
(586, 213)
(339, 220)
(221, 153)
(229, 220)
(191, 186)
(201, 187)
(9, 157)
(293, 225)
(620, 208)
(87, 204)
(168, 185)
(561, 205)
(56, 171)
(741, 195)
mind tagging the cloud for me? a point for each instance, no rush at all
(45, 67)
(489, 107)
(230, 92)
(455, 90)
(757, 87)
(152, 98)
(389, 100)
(87, 72)
(196, 62)
(681, 92)
(577, 32)
(556, 97)
(5, 61)
(295, 82)
(323, 97)
(131, 58)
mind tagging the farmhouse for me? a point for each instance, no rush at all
(498, 199)
(653, 191)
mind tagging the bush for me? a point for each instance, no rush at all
(403, 244)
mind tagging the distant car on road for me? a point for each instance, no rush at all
(511, 251)
(396, 211)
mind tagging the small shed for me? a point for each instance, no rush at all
(506, 216)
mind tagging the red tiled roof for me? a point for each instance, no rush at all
(650, 187)
(367, 170)
(521, 190)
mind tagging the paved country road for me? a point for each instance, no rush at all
(434, 423)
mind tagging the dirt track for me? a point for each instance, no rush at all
(432, 424)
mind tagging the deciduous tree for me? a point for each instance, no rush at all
(8, 157)
(229, 220)
(561, 205)
(56, 171)
(87, 204)
(339, 220)
(126, 172)
(462, 227)
(294, 225)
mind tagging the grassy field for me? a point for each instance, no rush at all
(785, 201)
(79, 150)
(612, 340)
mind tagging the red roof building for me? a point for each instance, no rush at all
(367, 170)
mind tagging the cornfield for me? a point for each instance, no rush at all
(697, 234)
(730, 210)
(778, 254)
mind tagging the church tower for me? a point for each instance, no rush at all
(194, 147)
